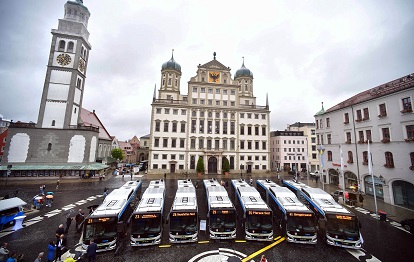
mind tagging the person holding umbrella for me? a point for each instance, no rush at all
(68, 223)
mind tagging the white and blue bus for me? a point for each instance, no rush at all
(297, 221)
(255, 215)
(9, 209)
(147, 219)
(340, 227)
(183, 217)
(111, 217)
(221, 216)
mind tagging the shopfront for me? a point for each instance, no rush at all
(403, 194)
(369, 188)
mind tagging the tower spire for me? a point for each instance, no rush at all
(267, 100)
(155, 88)
(243, 61)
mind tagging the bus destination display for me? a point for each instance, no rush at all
(260, 213)
(300, 214)
(183, 214)
(145, 216)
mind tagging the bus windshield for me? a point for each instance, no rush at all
(183, 225)
(223, 222)
(343, 225)
(101, 229)
(146, 224)
(301, 223)
(259, 223)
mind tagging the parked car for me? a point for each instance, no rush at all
(314, 174)
(408, 224)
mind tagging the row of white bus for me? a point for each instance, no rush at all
(298, 210)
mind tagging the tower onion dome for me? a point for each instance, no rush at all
(243, 71)
(171, 64)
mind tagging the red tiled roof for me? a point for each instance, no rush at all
(89, 118)
(399, 84)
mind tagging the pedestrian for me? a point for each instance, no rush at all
(278, 177)
(131, 173)
(60, 245)
(12, 258)
(39, 257)
(51, 249)
(68, 223)
(91, 251)
(42, 190)
(361, 199)
(316, 179)
(4, 252)
(60, 231)
(57, 184)
(105, 192)
(79, 219)
(251, 181)
(263, 259)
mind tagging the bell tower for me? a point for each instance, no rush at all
(66, 69)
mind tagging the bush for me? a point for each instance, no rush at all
(226, 165)
(200, 165)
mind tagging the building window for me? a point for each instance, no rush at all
(166, 126)
(201, 143)
(210, 127)
(183, 112)
(194, 89)
(359, 115)
(412, 160)
(361, 137)
(225, 127)
(317, 124)
(172, 157)
(192, 162)
(70, 46)
(256, 145)
(53, 122)
(155, 166)
(348, 138)
(165, 142)
(49, 146)
(249, 130)
(232, 92)
(157, 126)
(249, 144)
(224, 144)
(193, 142)
(328, 123)
(368, 136)
(329, 155)
(173, 142)
(181, 157)
(366, 114)
(329, 137)
(155, 156)
(346, 118)
(410, 132)
(350, 157)
(406, 105)
(156, 142)
(174, 127)
(210, 91)
(62, 45)
(164, 166)
(158, 111)
(232, 144)
(242, 158)
(385, 134)
(166, 111)
(193, 126)
(194, 101)
(175, 111)
(242, 144)
(182, 130)
(249, 116)
(182, 142)
(164, 156)
(365, 158)
(382, 110)
(389, 161)
(264, 145)
(241, 115)
(217, 144)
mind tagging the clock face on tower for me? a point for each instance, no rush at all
(82, 65)
(63, 59)
(214, 77)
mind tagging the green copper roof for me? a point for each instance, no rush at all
(243, 71)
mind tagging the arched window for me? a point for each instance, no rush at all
(79, 83)
(49, 146)
(232, 162)
(350, 157)
(389, 160)
(53, 122)
(82, 54)
(329, 155)
(365, 158)
(62, 45)
(70, 46)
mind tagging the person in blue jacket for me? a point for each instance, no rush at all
(51, 248)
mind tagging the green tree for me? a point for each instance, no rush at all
(200, 165)
(117, 154)
(226, 165)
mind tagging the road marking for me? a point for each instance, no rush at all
(91, 198)
(361, 255)
(396, 224)
(66, 208)
(52, 213)
(240, 241)
(203, 242)
(263, 249)
(81, 202)
(164, 246)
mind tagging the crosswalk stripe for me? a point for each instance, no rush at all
(360, 253)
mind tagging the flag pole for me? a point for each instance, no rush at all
(342, 173)
(372, 177)
(322, 166)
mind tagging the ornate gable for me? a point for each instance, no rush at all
(214, 64)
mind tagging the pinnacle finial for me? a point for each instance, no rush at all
(214, 54)
(172, 53)
(243, 60)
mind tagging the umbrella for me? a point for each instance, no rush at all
(49, 196)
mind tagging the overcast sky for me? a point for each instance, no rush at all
(301, 53)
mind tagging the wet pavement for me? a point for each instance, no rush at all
(74, 193)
